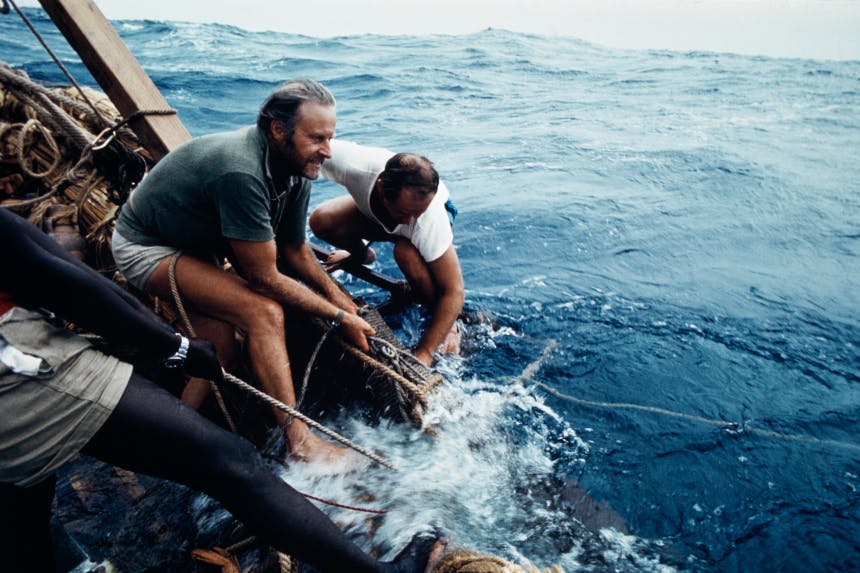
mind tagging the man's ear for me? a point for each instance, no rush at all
(278, 131)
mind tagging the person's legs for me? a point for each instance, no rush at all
(223, 336)
(339, 223)
(424, 287)
(151, 432)
(25, 527)
(213, 292)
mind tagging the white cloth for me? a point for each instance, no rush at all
(357, 168)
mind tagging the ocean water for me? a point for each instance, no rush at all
(668, 245)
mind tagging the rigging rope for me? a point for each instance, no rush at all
(189, 329)
(120, 164)
(531, 369)
(56, 60)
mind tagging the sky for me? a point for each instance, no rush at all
(822, 29)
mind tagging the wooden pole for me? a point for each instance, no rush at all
(118, 73)
(395, 287)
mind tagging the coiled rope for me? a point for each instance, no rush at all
(262, 395)
(120, 164)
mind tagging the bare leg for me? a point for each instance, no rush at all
(223, 336)
(415, 270)
(418, 274)
(226, 297)
(339, 222)
(150, 432)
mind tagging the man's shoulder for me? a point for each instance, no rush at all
(239, 142)
(359, 156)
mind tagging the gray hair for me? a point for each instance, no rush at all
(283, 104)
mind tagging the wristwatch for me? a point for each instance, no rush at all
(177, 359)
(337, 320)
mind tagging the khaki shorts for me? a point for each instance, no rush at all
(48, 416)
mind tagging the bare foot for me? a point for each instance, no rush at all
(305, 446)
(451, 344)
(340, 257)
(435, 555)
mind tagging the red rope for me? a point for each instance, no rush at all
(342, 506)
(281, 463)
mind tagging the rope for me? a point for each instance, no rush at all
(108, 134)
(275, 403)
(730, 426)
(58, 62)
(464, 561)
(402, 358)
(532, 369)
(309, 367)
(124, 166)
(417, 392)
(262, 395)
(35, 96)
(177, 299)
(31, 126)
(283, 464)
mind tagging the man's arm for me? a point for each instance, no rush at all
(257, 261)
(42, 274)
(449, 282)
(304, 263)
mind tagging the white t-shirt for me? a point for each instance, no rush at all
(357, 168)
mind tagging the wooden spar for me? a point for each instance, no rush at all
(395, 287)
(118, 73)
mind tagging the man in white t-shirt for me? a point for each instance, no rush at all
(397, 198)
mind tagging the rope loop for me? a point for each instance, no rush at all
(33, 126)
(108, 134)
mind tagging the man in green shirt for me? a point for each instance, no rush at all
(243, 195)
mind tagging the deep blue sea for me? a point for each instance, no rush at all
(668, 244)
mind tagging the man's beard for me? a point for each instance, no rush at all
(297, 165)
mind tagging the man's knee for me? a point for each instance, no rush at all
(266, 314)
(319, 222)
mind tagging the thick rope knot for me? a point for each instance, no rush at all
(464, 561)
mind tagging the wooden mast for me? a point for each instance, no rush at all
(118, 73)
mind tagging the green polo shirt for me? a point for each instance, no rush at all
(212, 189)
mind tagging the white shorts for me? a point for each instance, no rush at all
(137, 262)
